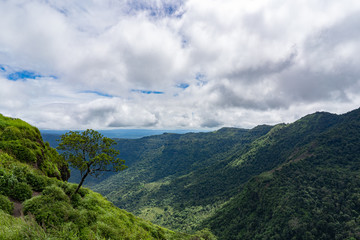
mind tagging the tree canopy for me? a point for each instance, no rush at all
(91, 153)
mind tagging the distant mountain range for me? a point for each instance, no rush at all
(288, 181)
(123, 133)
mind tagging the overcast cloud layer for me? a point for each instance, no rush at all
(192, 64)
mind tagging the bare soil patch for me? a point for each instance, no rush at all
(18, 206)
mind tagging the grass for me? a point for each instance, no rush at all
(87, 215)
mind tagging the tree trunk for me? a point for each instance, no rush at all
(81, 182)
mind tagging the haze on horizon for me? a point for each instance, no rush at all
(166, 64)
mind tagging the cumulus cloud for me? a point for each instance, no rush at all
(99, 64)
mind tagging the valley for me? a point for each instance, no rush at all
(276, 182)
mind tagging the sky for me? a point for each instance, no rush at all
(184, 64)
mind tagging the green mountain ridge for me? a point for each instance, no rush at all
(36, 202)
(160, 177)
(314, 195)
(233, 181)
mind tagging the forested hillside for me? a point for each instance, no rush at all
(296, 180)
(35, 202)
(314, 194)
(169, 180)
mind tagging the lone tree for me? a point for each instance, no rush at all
(91, 153)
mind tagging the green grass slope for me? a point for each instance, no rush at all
(24, 142)
(36, 204)
(313, 194)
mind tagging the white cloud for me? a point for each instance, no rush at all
(260, 61)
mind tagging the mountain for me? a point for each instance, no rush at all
(288, 181)
(120, 133)
(177, 180)
(52, 136)
(36, 202)
(313, 194)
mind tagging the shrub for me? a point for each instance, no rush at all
(69, 189)
(87, 233)
(21, 191)
(11, 133)
(84, 218)
(6, 205)
(5, 159)
(76, 200)
(205, 234)
(21, 152)
(37, 182)
(90, 202)
(55, 193)
(106, 231)
(83, 191)
(47, 211)
(50, 169)
(34, 204)
(7, 183)
(19, 173)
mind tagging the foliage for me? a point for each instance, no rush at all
(16, 228)
(91, 217)
(91, 153)
(6, 205)
(178, 180)
(204, 234)
(24, 142)
(86, 215)
(290, 181)
(21, 191)
(11, 184)
(191, 181)
(36, 181)
(313, 195)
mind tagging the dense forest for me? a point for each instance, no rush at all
(36, 202)
(313, 194)
(288, 181)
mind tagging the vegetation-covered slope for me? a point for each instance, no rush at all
(36, 204)
(178, 180)
(315, 194)
(24, 142)
(193, 181)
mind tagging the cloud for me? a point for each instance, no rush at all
(177, 64)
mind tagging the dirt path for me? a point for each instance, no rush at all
(18, 207)
(34, 194)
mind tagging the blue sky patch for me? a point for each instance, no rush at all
(22, 75)
(183, 85)
(16, 74)
(98, 93)
(201, 78)
(146, 91)
(157, 10)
